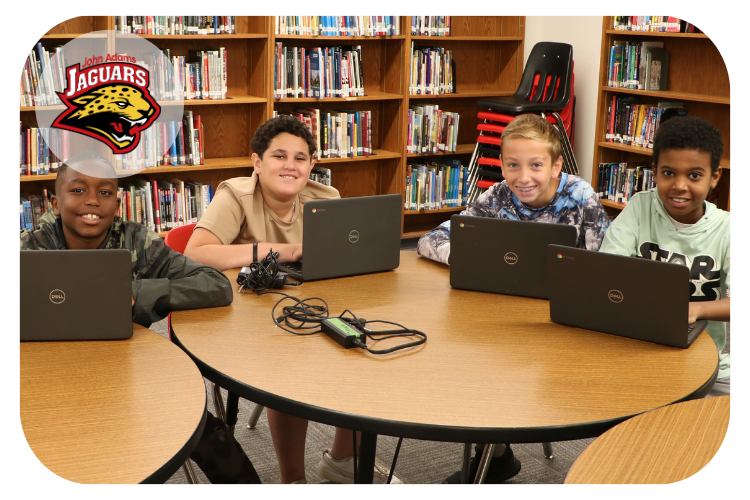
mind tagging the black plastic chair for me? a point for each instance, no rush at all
(546, 88)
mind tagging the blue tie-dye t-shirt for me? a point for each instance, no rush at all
(575, 203)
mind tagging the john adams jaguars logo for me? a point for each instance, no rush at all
(109, 102)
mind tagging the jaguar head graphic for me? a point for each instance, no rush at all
(115, 114)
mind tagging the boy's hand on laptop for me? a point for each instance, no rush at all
(132, 301)
(290, 252)
(694, 313)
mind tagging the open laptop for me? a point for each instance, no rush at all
(349, 236)
(503, 256)
(626, 296)
(76, 295)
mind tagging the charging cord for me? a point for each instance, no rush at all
(261, 276)
(376, 336)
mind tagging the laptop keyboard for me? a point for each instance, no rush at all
(694, 329)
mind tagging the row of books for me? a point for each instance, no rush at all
(36, 156)
(432, 185)
(167, 143)
(318, 72)
(431, 25)
(642, 65)
(181, 144)
(631, 122)
(162, 205)
(337, 25)
(159, 205)
(32, 207)
(340, 134)
(432, 71)
(322, 175)
(200, 75)
(431, 130)
(618, 182)
(176, 25)
(43, 72)
(669, 24)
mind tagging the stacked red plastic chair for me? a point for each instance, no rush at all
(546, 88)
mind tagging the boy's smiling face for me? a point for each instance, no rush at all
(285, 166)
(530, 172)
(683, 180)
(87, 206)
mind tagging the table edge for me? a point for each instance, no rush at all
(428, 432)
(163, 473)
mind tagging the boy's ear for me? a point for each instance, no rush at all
(256, 163)
(557, 167)
(715, 176)
(55, 206)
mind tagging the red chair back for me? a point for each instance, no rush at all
(177, 238)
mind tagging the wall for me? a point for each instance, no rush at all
(584, 33)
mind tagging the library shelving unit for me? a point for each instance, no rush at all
(489, 56)
(697, 77)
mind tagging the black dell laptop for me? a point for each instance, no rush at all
(76, 295)
(626, 296)
(503, 256)
(349, 236)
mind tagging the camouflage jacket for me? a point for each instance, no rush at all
(163, 280)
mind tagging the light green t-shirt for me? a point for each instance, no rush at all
(644, 229)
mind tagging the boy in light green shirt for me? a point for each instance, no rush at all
(674, 223)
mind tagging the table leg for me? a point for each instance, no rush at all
(366, 464)
(218, 403)
(466, 464)
(484, 464)
(255, 416)
(233, 401)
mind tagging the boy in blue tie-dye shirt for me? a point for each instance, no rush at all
(533, 190)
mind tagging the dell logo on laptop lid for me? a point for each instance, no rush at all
(57, 296)
(354, 236)
(615, 296)
(510, 258)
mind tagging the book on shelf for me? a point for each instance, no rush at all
(431, 25)
(337, 25)
(318, 71)
(431, 130)
(657, 69)
(631, 122)
(337, 134)
(667, 24)
(432, 71)
(176, 25)
(618, 182)
(435, 185)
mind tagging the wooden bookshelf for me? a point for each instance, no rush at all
(488, 51)
(697, 76)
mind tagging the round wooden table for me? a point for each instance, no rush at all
(494, 369)
(124, 411)
(662, 446)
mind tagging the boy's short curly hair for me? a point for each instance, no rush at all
(534, 127)
(689, 132)
(275, 126)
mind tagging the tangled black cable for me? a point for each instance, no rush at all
(260, 276)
